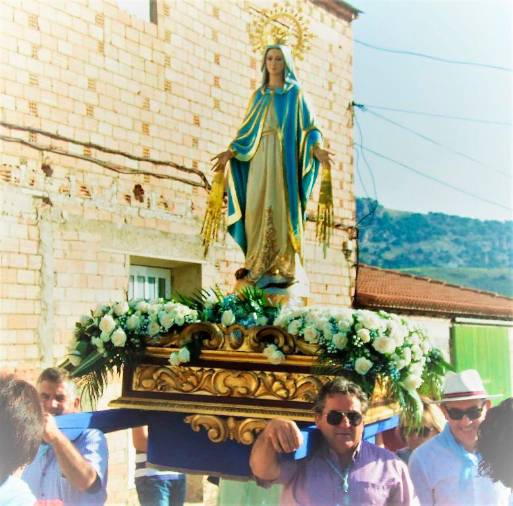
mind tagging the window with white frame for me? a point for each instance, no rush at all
(149, 282)
(142, 9)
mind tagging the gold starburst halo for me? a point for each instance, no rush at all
(280, 25)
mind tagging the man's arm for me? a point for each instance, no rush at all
(140, 438)
(77, 470)
(279, 436)
(420, 479)
(403, 493)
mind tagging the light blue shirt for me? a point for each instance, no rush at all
(447, 475)
(14, 492)
(46, 481)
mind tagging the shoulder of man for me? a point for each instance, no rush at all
(427, 451)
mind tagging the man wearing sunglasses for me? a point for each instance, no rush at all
(444, 470)
(344, 469)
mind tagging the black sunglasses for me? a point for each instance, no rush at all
(335, 417)
(472, 413)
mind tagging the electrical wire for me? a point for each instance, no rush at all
(431, 57)
(442, 116)
(372, 209)
(432, 178)
(363, 108)
(373, 179)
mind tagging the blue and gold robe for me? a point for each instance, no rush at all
(271, 178)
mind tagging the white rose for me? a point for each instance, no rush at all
(184, 355)
(340, 341)
(294, 327)
(400, 363)
(362, 365)
(228, 318)
(168, 306)
(153, 309)
(132, 322)
(310, 334)
(84, 320)
(107, 324)
(142, 306)
(153, 328)
(276, 357)
(397, 332)
(414, 338)
(364, 335)
(412, 382)
(74, 360)
(273, 354)
(327, 330)
(100, 310)
(118, 338)
(166, 320)
(345, 323)
(384, 345)
(173, 359)
(416, 369)
(210, 301)
(369, 319)
(180, 320)
(270, 348)
(120, 308)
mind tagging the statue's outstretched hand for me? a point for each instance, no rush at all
(221, 160)
(324, 156)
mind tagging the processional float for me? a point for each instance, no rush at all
(206, 372)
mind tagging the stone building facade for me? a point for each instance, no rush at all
(108, 123)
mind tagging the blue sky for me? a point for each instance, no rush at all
(473, 31)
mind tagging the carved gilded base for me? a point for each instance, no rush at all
(220, 428)
(228, 382)
(232, 388)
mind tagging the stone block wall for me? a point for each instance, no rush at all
(82, 77)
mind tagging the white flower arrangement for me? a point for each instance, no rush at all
(374, 345)
(115, 334)
(366, 345)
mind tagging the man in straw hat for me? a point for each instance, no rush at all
(444, 470)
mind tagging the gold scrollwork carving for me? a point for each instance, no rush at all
(228, 383)
(219, 429)
(238, 338)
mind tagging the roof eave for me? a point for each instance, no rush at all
(339, 8)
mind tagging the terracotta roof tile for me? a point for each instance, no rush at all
(396, 291)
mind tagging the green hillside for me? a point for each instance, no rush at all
(463, 251)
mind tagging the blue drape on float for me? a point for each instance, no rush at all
(172, 443)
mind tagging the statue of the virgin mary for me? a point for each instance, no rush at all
(274, 162)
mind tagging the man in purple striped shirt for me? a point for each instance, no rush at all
(345, 469)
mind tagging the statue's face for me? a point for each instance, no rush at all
(274, 62)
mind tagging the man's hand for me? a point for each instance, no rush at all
(79, 472)
(51, 432)
(283, 435)
(279, 436)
